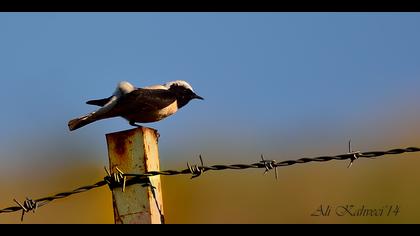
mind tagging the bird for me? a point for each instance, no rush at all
(139, 105)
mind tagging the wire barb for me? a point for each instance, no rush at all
(269, 165)
(116, 178)
(355, 155)
(27, 206)
(196, 170)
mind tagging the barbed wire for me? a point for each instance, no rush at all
(271, 164)
(34, 204)
(120, 179)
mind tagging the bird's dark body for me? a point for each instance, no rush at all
(146, 105)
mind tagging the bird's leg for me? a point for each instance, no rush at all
(133, 123)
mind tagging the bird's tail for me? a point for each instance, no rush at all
(80, 122)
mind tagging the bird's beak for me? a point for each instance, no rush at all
(198, 97)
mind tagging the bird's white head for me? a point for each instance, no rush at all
(183, 92)
(180, 83)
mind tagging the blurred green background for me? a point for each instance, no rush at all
(286, 85)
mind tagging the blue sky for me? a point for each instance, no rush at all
(269, 80)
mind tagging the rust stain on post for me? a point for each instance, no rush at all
(135, 151)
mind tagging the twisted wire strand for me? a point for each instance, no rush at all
(43, 201)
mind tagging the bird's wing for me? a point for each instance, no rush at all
(144, 100)
(123, 88)
(99, 102)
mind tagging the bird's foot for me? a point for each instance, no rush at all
(133, 123)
